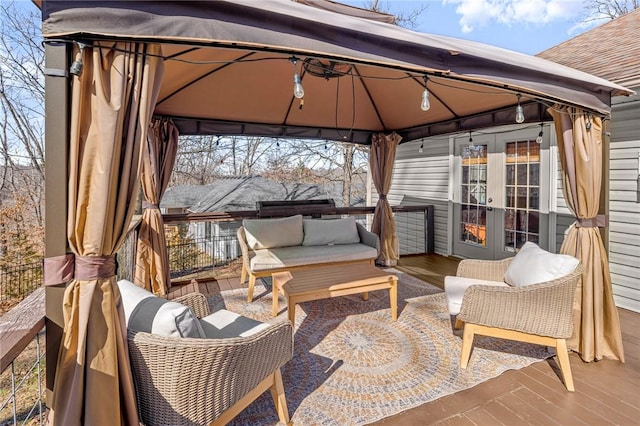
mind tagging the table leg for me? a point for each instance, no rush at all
(291, 310)
(274, 296)
(393, 299)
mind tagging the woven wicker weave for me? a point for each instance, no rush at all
(184, 381)
(544, 309)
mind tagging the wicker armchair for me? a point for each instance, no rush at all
(538, 313)
(190, 381)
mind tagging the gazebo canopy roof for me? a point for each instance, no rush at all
(228, 70)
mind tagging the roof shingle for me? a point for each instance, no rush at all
(610, 51)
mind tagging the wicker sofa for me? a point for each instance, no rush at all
(283, 244)
(207, 374)
(528, 298)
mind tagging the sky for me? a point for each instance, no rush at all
(526, 26)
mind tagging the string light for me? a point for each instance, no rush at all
(421, 147)
(298, 90)
(77, 65)
(588, 123)
(425, 104)
(519, 112)
(539, 139)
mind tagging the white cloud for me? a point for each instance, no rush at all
(481, 13)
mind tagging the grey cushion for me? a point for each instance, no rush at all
(309, 255)
(224, 324)
(271, 233)
(532, 265)
(330, 231)
(151, 314)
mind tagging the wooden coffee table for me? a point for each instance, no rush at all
(324, 282)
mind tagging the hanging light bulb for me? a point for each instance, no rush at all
(519, 112)
(77, 65)
(539, 139)
(425, 104)
(298, 90)
(421, 147)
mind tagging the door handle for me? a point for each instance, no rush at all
(490, 200)
(489, 209)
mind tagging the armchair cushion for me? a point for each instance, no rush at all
(454, 288)
(151, 314)
(223, 324)
(330, 231)
(272, 233)
(534, 265)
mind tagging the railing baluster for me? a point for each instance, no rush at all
(38, 359)
(13, 394)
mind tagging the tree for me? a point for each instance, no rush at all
(598, 9)
(406, 19)
(22, 165)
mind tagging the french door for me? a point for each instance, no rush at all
(501, 194)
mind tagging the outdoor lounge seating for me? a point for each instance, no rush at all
(527, 298)
(283, 244)
(191, 367)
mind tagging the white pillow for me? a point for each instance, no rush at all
(322, 232)
(146, 312)
(534, 265)
(272, 233)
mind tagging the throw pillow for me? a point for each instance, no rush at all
(320, 232)
(532, 265)
(272, 233)
(146, 312)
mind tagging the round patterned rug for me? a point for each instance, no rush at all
(353, 365)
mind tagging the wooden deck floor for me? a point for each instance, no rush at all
(607, 392)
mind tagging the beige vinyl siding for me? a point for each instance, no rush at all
(624, 202)
(421, 178)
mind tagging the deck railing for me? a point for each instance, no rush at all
(17, 281)
(201, 241)
(22, 360)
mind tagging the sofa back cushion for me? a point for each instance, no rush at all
(272, 233)
(534, 265)
(321, 232)
(146, 312)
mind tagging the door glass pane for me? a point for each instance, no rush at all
(534, 174)
(511, 197)
(522, 194)
(511, 174)
(473, 215)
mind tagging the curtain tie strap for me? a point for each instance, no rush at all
(599, 221)
(58, 269)
(382, 196)
(61, 269)
(148, 205)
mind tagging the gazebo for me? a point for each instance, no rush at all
(125, 78)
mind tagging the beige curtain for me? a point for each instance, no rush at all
(381, 158)
(597, 331)
(112, 103)
(158, 158)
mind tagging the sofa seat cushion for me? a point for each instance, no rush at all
(532, 265)
(454, 288)
(319, 232)
(286, 257)
(224, 324)
(148, 313)
(272, 233)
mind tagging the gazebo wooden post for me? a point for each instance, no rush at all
(56, 154)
